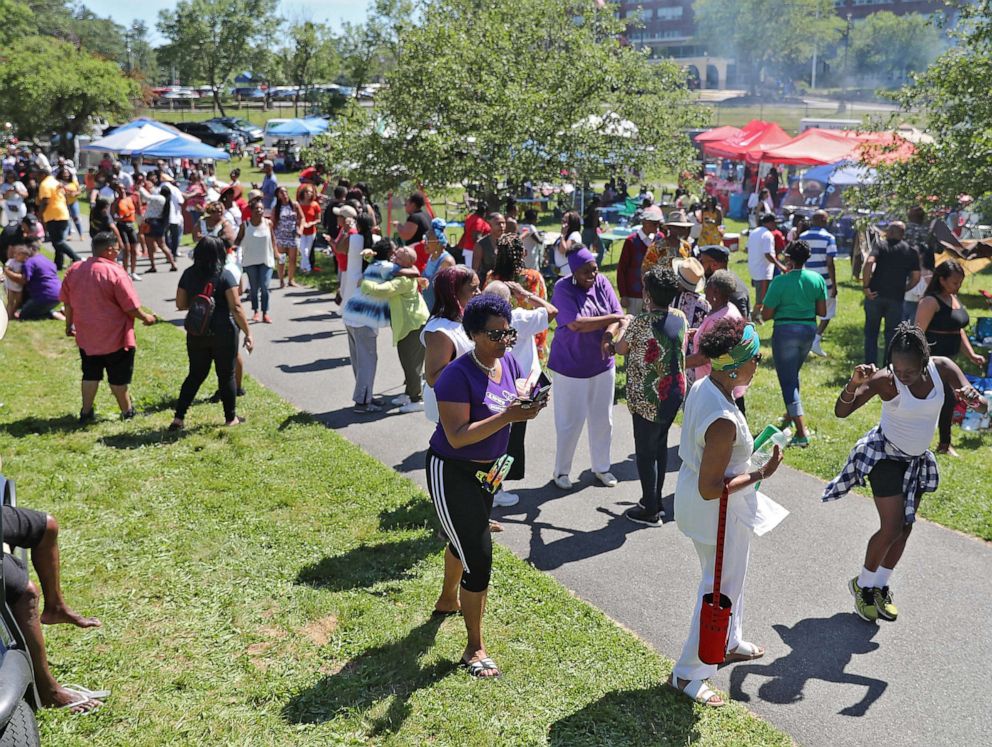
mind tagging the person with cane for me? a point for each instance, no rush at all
(716, 504)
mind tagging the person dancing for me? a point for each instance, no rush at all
(894, 456)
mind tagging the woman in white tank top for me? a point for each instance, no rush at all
(894, 457)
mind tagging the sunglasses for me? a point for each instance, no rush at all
(498, 335)
(757, 359)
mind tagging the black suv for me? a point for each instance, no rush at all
(18, 696)
(251, 133)
(212, 133)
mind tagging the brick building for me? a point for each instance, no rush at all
(669, 30)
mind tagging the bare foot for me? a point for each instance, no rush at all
(236, 421)
(68, 616)
(495, 526)
(445, 606)
(62, 698)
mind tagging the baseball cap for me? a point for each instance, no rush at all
(652, 213)
(347, 211)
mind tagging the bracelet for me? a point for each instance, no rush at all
(854, 396)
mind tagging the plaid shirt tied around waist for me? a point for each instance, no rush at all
(921, 477)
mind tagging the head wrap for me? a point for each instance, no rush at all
(741, 353)
(580, 257)
(438, 226)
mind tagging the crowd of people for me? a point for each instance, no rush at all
(471, 321)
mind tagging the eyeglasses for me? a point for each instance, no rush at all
(498, 335)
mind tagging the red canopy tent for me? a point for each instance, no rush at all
(814, 147)
(717, 134)
(750, 143)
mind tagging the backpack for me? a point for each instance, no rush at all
(201, 312)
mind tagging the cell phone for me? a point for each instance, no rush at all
(542, 388)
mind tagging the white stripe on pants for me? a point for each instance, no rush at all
(576, 402)
(306, 243)
(364, 359)
(736, 550)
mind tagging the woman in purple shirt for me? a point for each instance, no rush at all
(477, 401)
(582, 365)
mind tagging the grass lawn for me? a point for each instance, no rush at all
(269, 585)
(788, 117)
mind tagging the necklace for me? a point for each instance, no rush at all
(489, 370)
(723, 391)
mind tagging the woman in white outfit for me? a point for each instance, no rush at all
(589, 318)
(716, 451)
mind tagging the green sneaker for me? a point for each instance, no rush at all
(864, 601)
(883, 604)
(800, 441)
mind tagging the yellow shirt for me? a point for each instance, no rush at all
(71, 191)
(52, 190)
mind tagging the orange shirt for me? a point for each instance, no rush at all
(310, 213)
(126, 211)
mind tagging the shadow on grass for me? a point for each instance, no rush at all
(367, 565)
(786, 677)
(139, 439)
(417, 513)
(388, 672)
(32, 426)
(651, 715)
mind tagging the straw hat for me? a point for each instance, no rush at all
(689, 274)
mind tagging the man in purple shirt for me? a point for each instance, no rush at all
(40, 280)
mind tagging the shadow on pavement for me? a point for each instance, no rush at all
(367, 565)
(316, 318)
(651, 715)
(416, 461)
(390, 672)
(822, 647)
(310, 336)
(321, 364)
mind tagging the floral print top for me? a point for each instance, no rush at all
(656, 382)
(533, 282)
(696, 309)
(660, 253)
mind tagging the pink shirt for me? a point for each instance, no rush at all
(730, 311)
(100, 294)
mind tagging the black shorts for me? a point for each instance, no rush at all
(126, 231)
(119, 366)
(886, 477)
(22, 527)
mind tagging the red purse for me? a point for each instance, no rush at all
(714, 614)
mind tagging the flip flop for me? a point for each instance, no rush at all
(82, 699)
(745, 651)
(80, 690)
(476, 668)
(445, 613)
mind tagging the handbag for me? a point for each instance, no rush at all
(715, 611)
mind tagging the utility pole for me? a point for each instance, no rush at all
(847, 47)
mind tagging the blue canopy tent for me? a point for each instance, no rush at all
(298, 127)
(182, 148)
(841, 174)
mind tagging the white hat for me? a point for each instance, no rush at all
(347, 211)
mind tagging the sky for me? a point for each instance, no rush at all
(331, 12)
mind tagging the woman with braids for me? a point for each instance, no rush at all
(894, 456)
(944, 319)
(510, 268)
(716, 453)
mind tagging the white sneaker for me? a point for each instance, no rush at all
(606, 478)
(504, 499)
(135, 276)
(817, 349)
(412, 407)
(403, 399)
(564, 482)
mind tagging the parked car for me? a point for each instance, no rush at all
(18, 695)
(212, 133)
(250, 132)
(248, 92)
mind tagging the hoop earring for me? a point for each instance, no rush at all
(573, 281)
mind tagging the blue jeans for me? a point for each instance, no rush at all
(258, 281)
(875, 310)
(791, 344)
(909, 311)
(173, 235)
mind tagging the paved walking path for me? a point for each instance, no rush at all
(828, 678)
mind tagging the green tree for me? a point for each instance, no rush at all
(953, 95)
(50, 86)
(140, 58)
(747, 29)
(18, 21)
(212, 40)
(886, 47)
(310, 56)
(496, 93)
(368, 50)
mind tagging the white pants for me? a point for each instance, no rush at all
(577, 401)
(306, 243)
(736, 550)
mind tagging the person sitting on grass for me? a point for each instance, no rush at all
(38, 532)
(100, 308)
(41, 284)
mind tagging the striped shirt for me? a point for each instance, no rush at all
(821, 245)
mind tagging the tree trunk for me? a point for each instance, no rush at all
(220, 106)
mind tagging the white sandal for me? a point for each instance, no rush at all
(698, 691)
(745, 651)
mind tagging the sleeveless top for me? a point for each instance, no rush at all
(942, 333)
(908, 422)
(285, 219)
(455, 332)
(429, 272)
(256, 245)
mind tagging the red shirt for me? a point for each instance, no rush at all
(309, 174)
(474, 224)
(100, 294)
(311, 213)
(423, 254)
(342, 257)
(779, 241)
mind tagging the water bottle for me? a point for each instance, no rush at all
(764, 447)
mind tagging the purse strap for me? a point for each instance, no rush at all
(721, 533)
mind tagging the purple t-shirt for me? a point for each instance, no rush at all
(578, 354)
(41, 279)
(463, 381)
